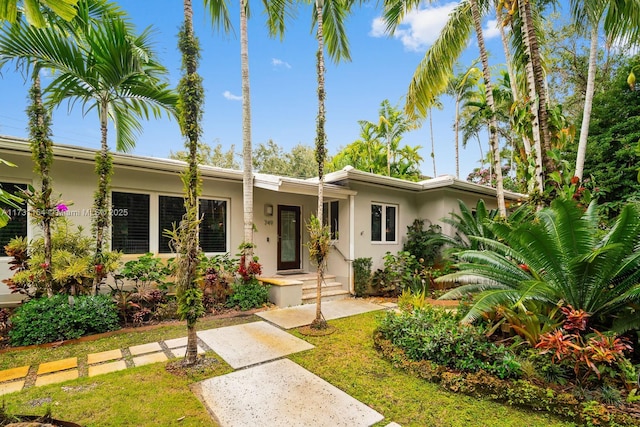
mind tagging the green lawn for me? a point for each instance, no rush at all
(150, 396)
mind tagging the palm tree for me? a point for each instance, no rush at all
(189, 107)
(329, 16)
(276, 14)
(619, 23)
(460, 88)
(91, 12)
(561, 257)
(105, 67)
(33, 10)
(435, 70)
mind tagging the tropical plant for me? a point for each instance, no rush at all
(362, 275)
(35, 11)
(105, 67)
(423, 243)
(561, 257)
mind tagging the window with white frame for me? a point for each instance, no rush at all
(330, 212)
(170, 212)
(384, 223)
(17, 225)
(130, 222)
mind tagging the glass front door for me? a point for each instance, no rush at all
(288, 237)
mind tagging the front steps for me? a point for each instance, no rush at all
(331, 290)
(298, 289)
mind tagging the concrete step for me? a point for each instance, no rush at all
(311, 279)
(326, 296)
(326, 287)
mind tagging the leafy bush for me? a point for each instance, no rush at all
(248, 295)
(423, 243)
(52, 319)
(73, 267)
(400, 272)
(436, 335)
(362, 275)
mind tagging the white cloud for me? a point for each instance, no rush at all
(491, 30)
(231, 97)
(278, 63)
(420, 28)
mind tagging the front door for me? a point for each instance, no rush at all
(288, 237)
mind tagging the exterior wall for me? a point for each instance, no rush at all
(406, 213)
(76, 182)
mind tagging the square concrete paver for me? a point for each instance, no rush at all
(251, 343)
(301, 315)
(58, 365)
(12, 387)
(145, 348)
(176, 342)
(57, 377)
(105, 368)
(181, 351)
(104, 356)
(14, 373)
(282, 393)
(150, 358)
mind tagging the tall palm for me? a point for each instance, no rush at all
(621, 21)
(436, 69)
(276, 12)
(392, 124)
(460, 88)
(88, 13)
(106, 68)
(329, 17)
(189, 108)
(560, 257)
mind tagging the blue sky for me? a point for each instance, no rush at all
(283, 83)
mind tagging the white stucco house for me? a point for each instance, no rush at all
(368, 213)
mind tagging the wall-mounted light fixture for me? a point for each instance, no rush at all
(268, 210)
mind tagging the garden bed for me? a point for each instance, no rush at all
(521, 393)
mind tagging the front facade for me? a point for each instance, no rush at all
(368, 214)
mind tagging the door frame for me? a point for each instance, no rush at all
(297, 263)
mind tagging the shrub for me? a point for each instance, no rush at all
(53, 319)
(248, 295)
(362, 275)
(436, 335)
(423, 243)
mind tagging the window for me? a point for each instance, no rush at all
(213, 228)
(130, 222)
(17, 225)
(383, 216)
(330, 217)
(171, 212)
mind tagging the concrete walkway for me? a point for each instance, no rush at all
(266, 390)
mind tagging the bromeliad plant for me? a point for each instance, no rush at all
(560, 256)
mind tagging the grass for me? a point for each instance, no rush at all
(150, 396)
(348, 360)
(15, 358)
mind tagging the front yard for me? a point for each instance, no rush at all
(149, 395)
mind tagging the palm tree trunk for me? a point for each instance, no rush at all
(42, 153)
(456, 129)
(433, 150)
(319, 321)
(188, 259)
(247, 177)
(493, 129)
(537, 94)
(104, 168)
(512, 75)
(588, 101)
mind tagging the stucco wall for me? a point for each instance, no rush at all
(406, 213)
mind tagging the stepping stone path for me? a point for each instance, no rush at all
(244, 397)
